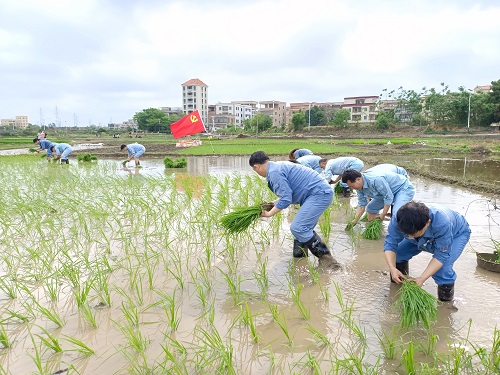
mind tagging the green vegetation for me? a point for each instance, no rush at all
(417, 305)
(241, 218)
(87, 158)
(175, 163)
(373, 230)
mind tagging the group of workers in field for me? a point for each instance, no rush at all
(305, 179)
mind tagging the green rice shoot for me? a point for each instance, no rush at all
(373, 230)
(338, 189)
(241, 218)
(417, 305)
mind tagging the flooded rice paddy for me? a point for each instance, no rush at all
(118, 270)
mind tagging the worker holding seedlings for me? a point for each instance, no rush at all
(61, 151)
(43, 144)
(337, 167)
(298, 152)
(435, 229)
(295, 184)
(384, 188)
(134, 150)
(310, 161)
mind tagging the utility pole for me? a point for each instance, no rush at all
(468, 113)
(309, 126)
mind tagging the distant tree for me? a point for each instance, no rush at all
(152, 120)
(494, 99)
(298, 121)
(317, 116)
(341, 118)
(258, 123)
(384, 119)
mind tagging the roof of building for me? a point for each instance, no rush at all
(194, 82)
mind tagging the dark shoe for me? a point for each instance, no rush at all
(402, 267)
(300, 249)
(65, 161)
(317, 247)
(446, 292)
(346, 191)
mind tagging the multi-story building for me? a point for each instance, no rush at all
(331, 107)
(275, 109)
(129, 124)
(18, 122)
(363, 108)
(195, 97)
(484, 89)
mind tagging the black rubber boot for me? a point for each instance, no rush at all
(402, 267)
(300, 249)
(346, 191)
(446, 292)
(65, 161)
(317, 246)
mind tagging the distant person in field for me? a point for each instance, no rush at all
(135, 151)
(61, 151)
(337, 166)
(310, 161)
(295, 184)
(434, 229)
(42, 135)
(299, 152)
(43, 144)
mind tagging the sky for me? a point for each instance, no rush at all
(94, 62)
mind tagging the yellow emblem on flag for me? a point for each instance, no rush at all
(193, 118)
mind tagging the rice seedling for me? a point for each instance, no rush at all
(321, 337)
(325, 224)
(262, 277)
(37, 358)
(373, 230)
(10, 315)
(295, 292)
(80, 346)
(51, 287)
(87, 158)
(175, 163)
(213, 353)
(50, 314)
(8, 286)
(50, 341)
(81, 293)
(312, 364)
(89, 315)
(280, 320)
(388, 343)
(429, 348)
(4, 337)
(247, 319)
(417, 305)
(241, 218)
(409, 359)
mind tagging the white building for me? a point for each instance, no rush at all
(240, 112)
(195, 97)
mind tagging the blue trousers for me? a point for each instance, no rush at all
(308, 215)
(407, 249)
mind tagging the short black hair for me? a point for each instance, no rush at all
(258, 157)
(412, 217)
(122, 147)
(350, 175)
(322, 160)
(36, 139)
(291, 155)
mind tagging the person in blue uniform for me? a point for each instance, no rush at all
(384, 188)
(61, 151)
(391, 168)
(295, 184)
(337, 167)
(44, 144)
(298, 152)
(134, 150)
(431, 228)
(310, 161)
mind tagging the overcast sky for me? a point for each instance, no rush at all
(103, 61)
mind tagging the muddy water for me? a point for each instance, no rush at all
(363, 282)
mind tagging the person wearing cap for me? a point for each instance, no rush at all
(337, 167)
(299, 152)
(44, 144)
(134, 150)
(61, 151)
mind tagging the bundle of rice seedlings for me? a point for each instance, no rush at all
(175, 163)
(338, 189)
(416, 305)
(373, 230)
(86, 157)
(241, 218)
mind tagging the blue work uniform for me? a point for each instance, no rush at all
(311, 161)
(338, 166)
(45, 144)
(445, 239)
(391, 168)
(384, 188)
(302, 152)
(297, 184)
(135, 149)
(63, 149)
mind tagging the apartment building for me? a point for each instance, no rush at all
(275, 109)
(17, 122)
(195, 97)
(363, 108)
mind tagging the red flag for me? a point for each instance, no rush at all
(189, 124)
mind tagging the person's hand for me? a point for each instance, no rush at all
(331, 182)
(397, 276)
(418, 280)
(381, 217)
(265, 214)
(350, 226)
(267, 206)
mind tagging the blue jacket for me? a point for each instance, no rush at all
(293, 183)
(45, 144)
(61, 147)
(135, 148)
(381, 184)
(338, 166)
(302, 152)
(445, 225)
(311, 161)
